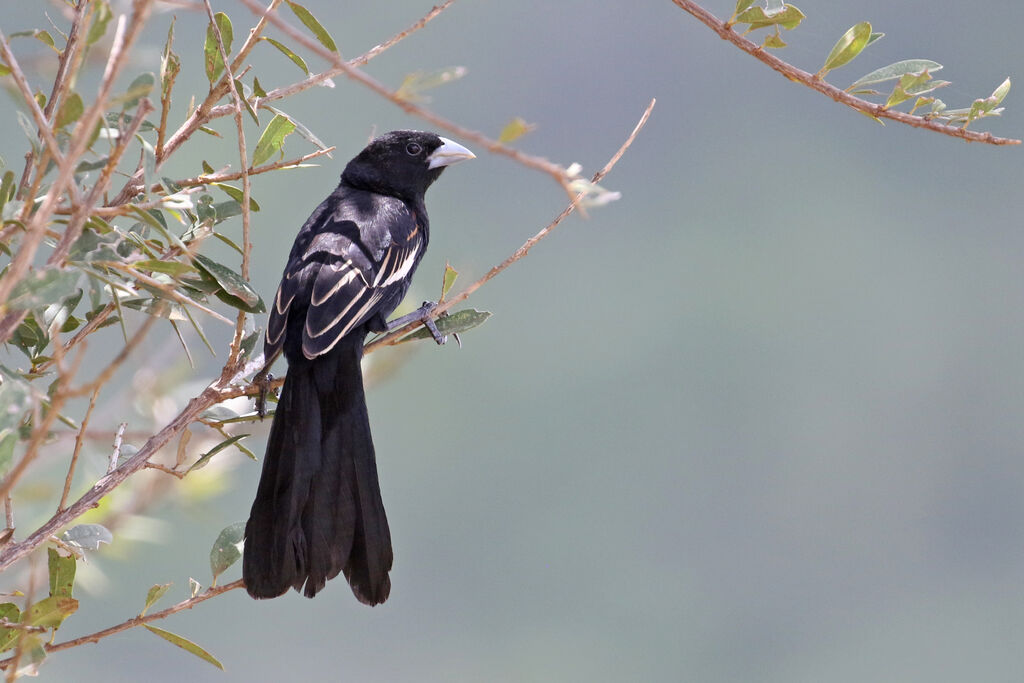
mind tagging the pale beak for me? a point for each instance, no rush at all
(449, 153)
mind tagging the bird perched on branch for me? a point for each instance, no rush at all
(318, 509)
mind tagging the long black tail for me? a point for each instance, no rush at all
(318, 509)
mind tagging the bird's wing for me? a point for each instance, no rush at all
(342, 277)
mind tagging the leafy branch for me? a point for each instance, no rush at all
(913, 76)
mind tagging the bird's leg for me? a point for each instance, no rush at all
(262, 380)
(420, 315)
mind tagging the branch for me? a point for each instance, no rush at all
(211, 592)
(391, 338)
(815, 83)
(342, 67)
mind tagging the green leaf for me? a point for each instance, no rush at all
(875, 36)
(239, 292)
(789, 18)
(1000, 93)
(100, 18)
(42, 36)
(153, 595)
(139, 88)
(848, 47)
(895, 70)
(247, 345)
(70, 110)
(238, 195)
(310, 22)
(466, 319)
(51, 612)
(240, 89)
(448, 280)
(742, 5)
(516, 128)
(8, 440)
(415, 83)
(300, 128)
(62, 573)
(4, 69)
(9, 636)
(186, 645)
(272, 139)
(910, 85)
(170, 64)
(226, 549)
(42, 287)
(204, 459)
(174, 268)
(257, 88)
(773, 40)
(88, 536)
(211, 50)
(287, 51)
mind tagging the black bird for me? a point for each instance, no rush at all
(318, 509)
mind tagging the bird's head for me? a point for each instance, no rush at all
(403, 163)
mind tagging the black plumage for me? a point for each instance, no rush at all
(318, 509)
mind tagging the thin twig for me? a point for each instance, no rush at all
(79, 440)
(392, 337)
(537, 163)
(815, 83)
(236, 97)
(211, 592)
(116, 453)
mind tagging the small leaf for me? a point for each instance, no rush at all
(789, 18)
(211, 50)
(237, 194)
(100, 18)
(88, 536)
(516, 128)
(239, 292)
(448, 280)
(226, 549)
(310, 22)
(205, 457)
(248, 343)
(848, 47)
(774, 40)
(170, 267)
(51, 612)
(9, 636)
(415, 83)
(62, 573)
(42, 287)
(153, 595)
(455, 323)
(186, 645)
(287, 51)
(139, 88)
(70, 110)
(257, 88)
(194, 587)
(895, 70)
(240, 89)
(272, 139)
(742, 5)
(170, 64)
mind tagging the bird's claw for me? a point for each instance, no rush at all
(423, 315)
(262, 380)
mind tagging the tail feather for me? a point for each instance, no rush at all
(318, 509)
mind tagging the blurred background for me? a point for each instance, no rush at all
(760, 420)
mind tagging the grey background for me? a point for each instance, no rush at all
(757, 421)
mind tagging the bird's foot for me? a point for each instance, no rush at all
(262, 380)
(424, 315)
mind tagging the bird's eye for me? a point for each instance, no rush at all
(413, 149)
